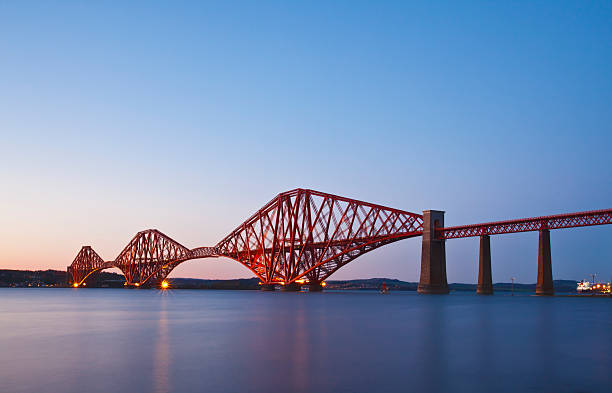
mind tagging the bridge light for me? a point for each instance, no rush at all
(165, 284)
(75, 285)
(323, 283)
(137, 284)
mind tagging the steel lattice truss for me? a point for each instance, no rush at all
(147, 259)
(150, 255)
(572, 220)
(305, 234)
(86, 262)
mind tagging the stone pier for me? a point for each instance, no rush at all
(485, 282)
(545, 280)
(433, 255)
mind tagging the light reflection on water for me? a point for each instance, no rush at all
(107, 340)
(162, 350)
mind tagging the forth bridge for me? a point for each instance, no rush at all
(304, 236)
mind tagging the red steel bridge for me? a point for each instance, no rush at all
(304, 236)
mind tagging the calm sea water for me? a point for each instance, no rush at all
(114, 340)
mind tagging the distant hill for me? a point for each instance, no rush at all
(397, 285)
(27, 278)
(372, 284)
(57, 278)
(197, 283)
(560, 286)
(368, 284)
(54, 278)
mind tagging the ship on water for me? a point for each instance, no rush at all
(593, 288)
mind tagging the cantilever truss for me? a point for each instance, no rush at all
(146, 260)
(86, 262)
(306, 234)
(300, 234)
(150, 256)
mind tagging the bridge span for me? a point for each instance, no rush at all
(304, 236)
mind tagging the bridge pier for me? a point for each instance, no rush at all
(485, 282)
(545, 285)
(291, 287)
(433, 255)
(315, 287)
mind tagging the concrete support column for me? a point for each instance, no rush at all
(485, 282)
(315, 287)
(433, 255)
(267, 287)
(545, 280)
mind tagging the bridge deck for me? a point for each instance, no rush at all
(571, 220)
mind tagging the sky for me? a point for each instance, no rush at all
(189, 116)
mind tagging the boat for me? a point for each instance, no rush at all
(384, 289)
(587, 287)
(583, 286)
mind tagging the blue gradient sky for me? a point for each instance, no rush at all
(188, 116)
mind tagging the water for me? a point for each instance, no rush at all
(114, 340)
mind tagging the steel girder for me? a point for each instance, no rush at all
(572, 220)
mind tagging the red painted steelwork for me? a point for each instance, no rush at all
(86, 262)
(147, 259)
(150, 255)
(300, 234)
(306, 234)
(571, 220)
